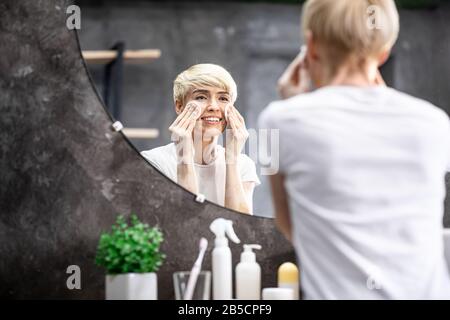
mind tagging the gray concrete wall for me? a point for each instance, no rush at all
(254, 42)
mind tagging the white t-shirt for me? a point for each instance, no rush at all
(211, 177)
(364, 170)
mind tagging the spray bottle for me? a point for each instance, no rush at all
(221, 259)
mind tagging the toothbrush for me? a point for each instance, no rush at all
(195, 270)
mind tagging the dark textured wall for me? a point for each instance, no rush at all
(66, 174)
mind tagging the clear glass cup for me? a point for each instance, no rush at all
(202, 290)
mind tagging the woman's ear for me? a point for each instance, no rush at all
(311, 52)
(178, 106)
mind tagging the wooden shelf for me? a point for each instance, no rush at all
(141, 133)
(129, 56)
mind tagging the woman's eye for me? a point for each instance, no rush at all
(200, 97)
(224, 99)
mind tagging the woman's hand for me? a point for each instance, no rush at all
(295, 79)
(181, 130)
(236, 136)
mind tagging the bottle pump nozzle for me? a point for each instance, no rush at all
(248, 255)
(220, 227)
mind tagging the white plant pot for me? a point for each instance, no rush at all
(132, 286)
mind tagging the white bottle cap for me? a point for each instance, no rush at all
(277, 294)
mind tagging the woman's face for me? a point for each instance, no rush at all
(213, 102)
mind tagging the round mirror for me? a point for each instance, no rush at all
(188, 81)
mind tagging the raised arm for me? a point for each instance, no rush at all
(181, 130)
(281, 205)
(236, 193)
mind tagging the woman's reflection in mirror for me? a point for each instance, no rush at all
(204, 97)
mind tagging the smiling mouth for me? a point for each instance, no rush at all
(212, 120)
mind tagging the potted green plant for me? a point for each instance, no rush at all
(131, 256)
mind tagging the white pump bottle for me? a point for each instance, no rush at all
(222, 269)
(248, 275)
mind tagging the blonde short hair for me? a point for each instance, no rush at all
(205, 74)
(361, 28)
